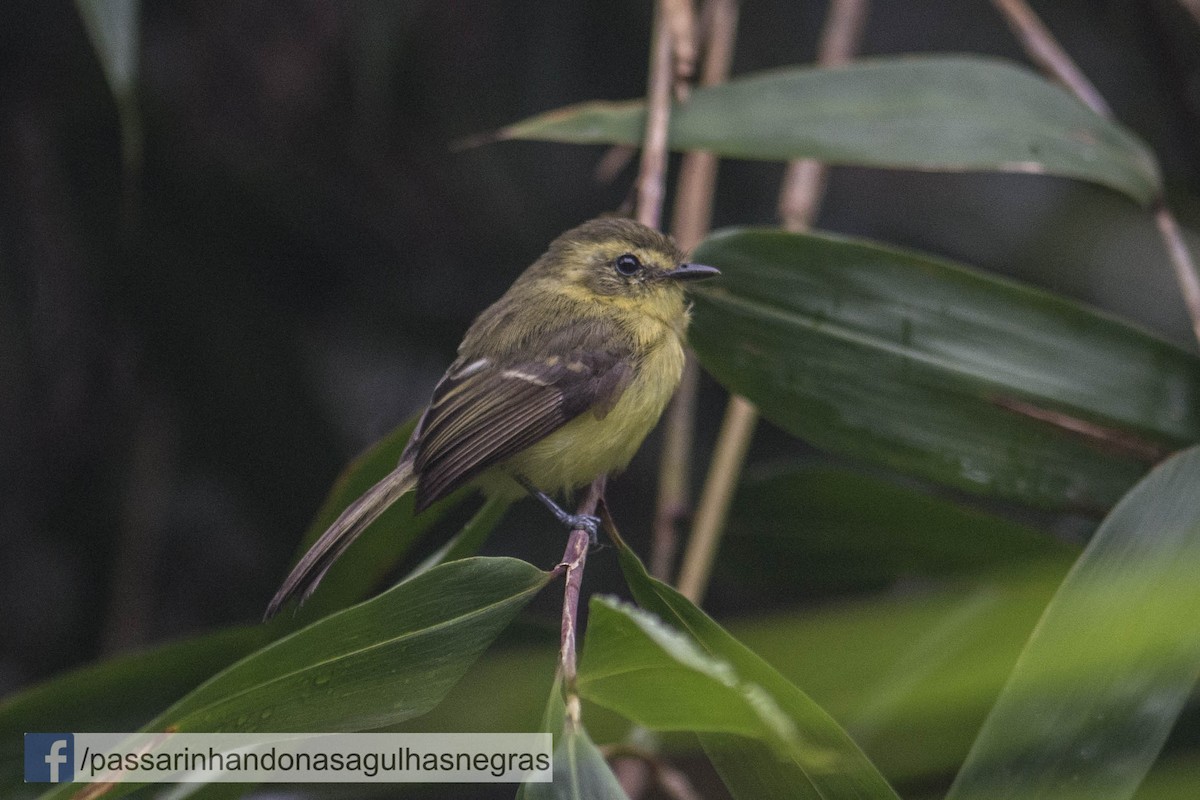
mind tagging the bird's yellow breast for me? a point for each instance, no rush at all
(591, 445)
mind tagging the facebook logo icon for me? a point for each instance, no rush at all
(49, 757)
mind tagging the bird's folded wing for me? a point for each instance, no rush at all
(485, 411)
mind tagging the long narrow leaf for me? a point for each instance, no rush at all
(947, 113)
(834, 530)
(118, 694)
(580, 771)
(378, 663)
(470, 538)
(942, 372)
(1110, 665)
(830, 765)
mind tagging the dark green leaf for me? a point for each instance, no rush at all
(117, 695)
(380, 662)
(938, 371)
(833, 530)
(409, 645)
(946, 113)
(829, 764)
(1110, 665)
(650, 673)
(470, 538)
(580, 771)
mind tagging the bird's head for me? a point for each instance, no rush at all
(614, 258)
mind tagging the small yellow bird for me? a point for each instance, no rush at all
(557, 383)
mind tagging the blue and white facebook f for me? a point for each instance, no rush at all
(49, 757)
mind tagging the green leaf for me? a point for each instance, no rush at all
(938, 371)
(843, 531)
(580, 771)
(381, 662)
(119, 694)
(650, 673)
(1112, 661)
(361, 568)
(828, 764)
(470, 538)
(377, 663)
(945, 113)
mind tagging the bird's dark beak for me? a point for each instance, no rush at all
(692, 272)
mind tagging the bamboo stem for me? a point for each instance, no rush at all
(1046, 52)
(723, 473)
(799, 200)
(690, 222)
(651, 181)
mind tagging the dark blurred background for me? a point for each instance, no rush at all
(189, 360)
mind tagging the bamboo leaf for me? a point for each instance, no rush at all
(1112, 661)
(470, 538)
(381, 662)
(944, 113)
(118, 694)
(826, 763)
(580, 771)
(844, 532)
(938, 371)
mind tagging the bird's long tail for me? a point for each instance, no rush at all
(305, 576)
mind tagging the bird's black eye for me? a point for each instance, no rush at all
(628, 264)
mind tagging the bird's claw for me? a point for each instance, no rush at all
(585, 522)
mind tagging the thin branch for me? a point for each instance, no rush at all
(723, 473)
(690, 223)
(804, 182)
(573, 561)
(681, 21)
(651, 179)
(1045, 50)
(1181, 260)
(799, 201)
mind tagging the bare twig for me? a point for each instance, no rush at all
(1047, 53)
(674, 472)
(690, 222)
(799, 200)
(723, 472)
(1045, 50)
(804, 182)
(681, 21)
(573, 560)
(651, 180)
(1181, 260)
